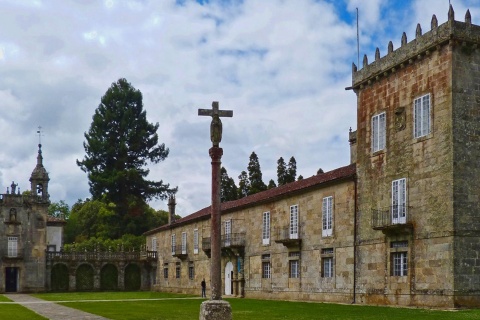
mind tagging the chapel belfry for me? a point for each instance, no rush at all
(39, 178)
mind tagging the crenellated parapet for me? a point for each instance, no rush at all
(451, 32)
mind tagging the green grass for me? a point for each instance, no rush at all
(16, 312)
(186, 308)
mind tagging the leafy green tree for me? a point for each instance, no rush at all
(243, 185)
(119, 145)
(59, 210)
(300, 177)
(228, 189)
(90, 218)
(255, 175)
(271, 184)
(291, 171)
(281, 171)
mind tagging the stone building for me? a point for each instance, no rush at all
(400, 225)
(26, 231)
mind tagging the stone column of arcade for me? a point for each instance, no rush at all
(215, 308)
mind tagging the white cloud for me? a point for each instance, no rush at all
(282, 66)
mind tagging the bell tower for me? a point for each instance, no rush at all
(39, 178)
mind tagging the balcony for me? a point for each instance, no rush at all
(232, 243)
(288, 236)
(180, 251)
(13, 255)
(393, 219)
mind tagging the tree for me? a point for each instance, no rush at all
(119, 145)
(59, 209)
(291, 171)
(243, 185)
(281, 171)
(271, 184)
(228, 189)
(255, 175)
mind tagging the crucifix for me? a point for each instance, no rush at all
(216, 308)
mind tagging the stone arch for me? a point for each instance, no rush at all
(59, 277)
(109, 277)
(84, 277)
(133, 277)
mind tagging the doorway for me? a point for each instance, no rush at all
(11, 279)
(229, 279)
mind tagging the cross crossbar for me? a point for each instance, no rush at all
(215, 111)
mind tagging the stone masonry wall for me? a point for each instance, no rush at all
(426, 164)
(466, 139)
(310, 286)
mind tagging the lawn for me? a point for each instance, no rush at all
(16, 312)
(155, 305)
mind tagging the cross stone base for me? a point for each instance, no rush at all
(215, 310)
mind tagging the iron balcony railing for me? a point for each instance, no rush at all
(392, 216)
(285, 234)
(227, 241)
(179, 250)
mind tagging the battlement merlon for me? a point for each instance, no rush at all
(451, 32)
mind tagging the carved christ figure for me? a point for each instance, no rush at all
(216, 130)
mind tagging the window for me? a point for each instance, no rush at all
(294, 264)
(12, 247)
(399, 264)
(165, 270)
(184, 243)
(228, 232)
(421, 115)
(266, 267)
(177, 270)
(327, 216)
(327, 267)
(294, 269)
(195, 241)
(327, 262)
(154, 244)
(378, 132)
(173, 244)
(294, 222)
(399, 201)
(266, 228)
(191, 271)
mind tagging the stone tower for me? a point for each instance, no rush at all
(23, 234)
(418, 145)
(39, 178)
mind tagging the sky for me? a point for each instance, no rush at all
(282, 66)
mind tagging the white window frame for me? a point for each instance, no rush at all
(294, 222)
(294, 266)
(195, 241)
(399, 264)
(327, 267)
(422, 116)
(327, 216)
(266, 270)
(266, 228)
(379, 132)
(12, 247)
(184, 243)
(399, 201)
(154, 244)
(228, 232)
(173, 243)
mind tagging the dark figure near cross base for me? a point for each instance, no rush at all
(204, 288)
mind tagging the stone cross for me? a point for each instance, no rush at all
(216, 308)
(216, 125)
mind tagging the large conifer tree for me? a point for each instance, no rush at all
(119, 145)
(228, 189)
(255, 175)
(281, 171)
